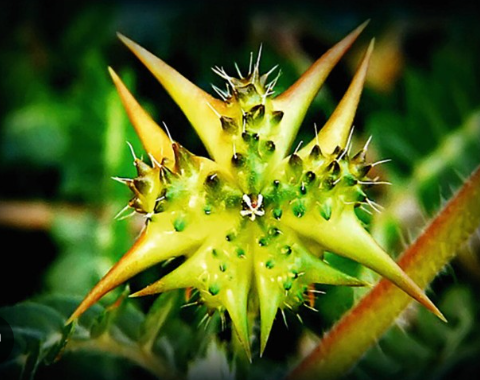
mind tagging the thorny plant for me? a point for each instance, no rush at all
(256, 224)
(253, 222)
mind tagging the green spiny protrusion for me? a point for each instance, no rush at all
(184, 160)
(326, 209)
(180, 223)
(238, 160)
(269, 146)
(212, 181)
(228, 124)
(276, 117)
(255, 115)
(316, 152)
(298, 209)
(277, 213)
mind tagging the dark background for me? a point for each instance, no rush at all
(54, 90)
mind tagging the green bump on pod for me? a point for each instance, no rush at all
(362, 170)
(256, 114)
(295, 168)
(333, 168)
(316, 152)
(350, 180)
(214, 289)
(325, 209)
(270, 146)
(299, 209)
(212, 181)
(277, 213)
(207, 209)
(247, 93)
(240, 252)
(184, 162)
(238, 160)
(228, 124)
(277, 117)
(179, 224)
(263, 241)
(310, 176)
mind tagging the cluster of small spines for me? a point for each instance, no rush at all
(155, 190)
(252, 124)
(326, 182)
(222, 260)
(159, 187)
(280, 262)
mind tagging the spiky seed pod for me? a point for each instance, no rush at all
(245, 219)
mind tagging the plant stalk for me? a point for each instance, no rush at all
(362, 326)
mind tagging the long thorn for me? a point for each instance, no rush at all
(132, 151)
(366, 210)
(373, 205)
(270, 71)
(257, 64)
(284, 318)
(121, 212)
(250, 63)
(127, 216)
(219, 92)
(315, 291)
(374, 183)
(122, 180)
(204, 318)
(154, 161)
(189, 304)
(298, 147)
(168, 132)
(316, 133)
(381, 162)
(299, 318)
(310, 307)
(348, 146)
(214, 110)
(367, 143)
(238, 70)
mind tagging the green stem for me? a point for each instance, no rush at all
(363, 325)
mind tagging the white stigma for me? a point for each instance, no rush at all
(254, 208)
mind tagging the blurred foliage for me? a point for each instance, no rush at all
(63, 134)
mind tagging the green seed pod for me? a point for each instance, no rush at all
(247, 219)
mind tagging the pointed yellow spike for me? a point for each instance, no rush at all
(320, 272)
(233, 295)
(185, 276)
(357, 244)
(336, 130)
(154, 288)
(235, 300)
(271, 297)
(295, 101)
(195, 103)
(154, 139)
(156, 244)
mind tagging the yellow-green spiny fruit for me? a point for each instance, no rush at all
(253, 221)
